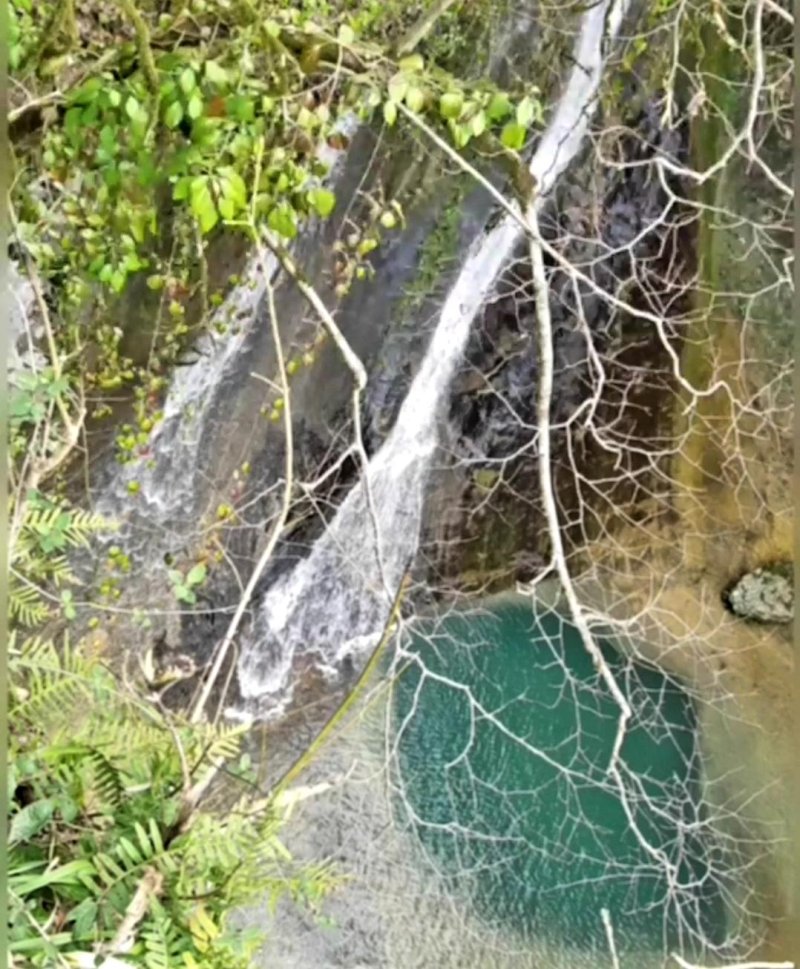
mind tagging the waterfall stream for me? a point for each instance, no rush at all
(341, 594)
(166, 478)
(338, 599)
(170, 479)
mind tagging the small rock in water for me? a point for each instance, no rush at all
(765, 595)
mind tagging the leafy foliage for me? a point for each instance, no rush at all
(140, 137)
(48, 529)
(111, 845)
(146, 152)
(101, 826)
(184, 585)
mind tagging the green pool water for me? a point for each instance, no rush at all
(503, 736)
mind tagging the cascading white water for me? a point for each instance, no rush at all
(167, 477)
(344, 589)
(339, 597)
(25, 329)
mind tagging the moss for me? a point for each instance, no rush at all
(711, 348)
(439, 249)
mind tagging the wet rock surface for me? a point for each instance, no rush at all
(25, 327)
(485, 524)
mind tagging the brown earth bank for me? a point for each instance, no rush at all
(655, 574)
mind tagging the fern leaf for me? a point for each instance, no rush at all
(25, 604)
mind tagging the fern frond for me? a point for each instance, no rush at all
(34, 651)
(211, 744)
(164, 943)
(25, 604)
(105, 777)
(132, 852)
(137, 738)
(84, 524)
(48, 531)
(52, 684)
(58, 569)
(64, 526)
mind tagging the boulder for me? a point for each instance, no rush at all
(765, 595)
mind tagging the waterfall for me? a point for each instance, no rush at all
(167, 478)
(342, 591)
(25, 330)
(339, 597)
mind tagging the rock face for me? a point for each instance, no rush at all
(25, 328)
(485, 513)
(766, 595)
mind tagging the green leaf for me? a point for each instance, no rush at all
(513, 135)
(127, 850)
(415, 99)
(187, 80)
(305, 119)
(87, 92)
(461, 134)
(282, 220)
(195, 106)
(450, 104)
(108, 139)
(478, 124)
(71, 873)
(346, 35)
(389, 112)
(398, 85)
(72, 123)
(241, 108)
(181, 190)
(196, 574)
(499, 107)
(132, 108)
(28, 822)
(238, 189)
(413, 63)
(216, 74)
(323, 201)
(202, 204)
(84, 918)
(173, 115)
(67, 603)
(525, 112)
(68, 808)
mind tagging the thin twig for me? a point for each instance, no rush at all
(684, 964)
(277, 528)
(605, 915)
(150, 886)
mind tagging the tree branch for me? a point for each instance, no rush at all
(143, 43)
(420, 30)
(150, 886)
(244, 600)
